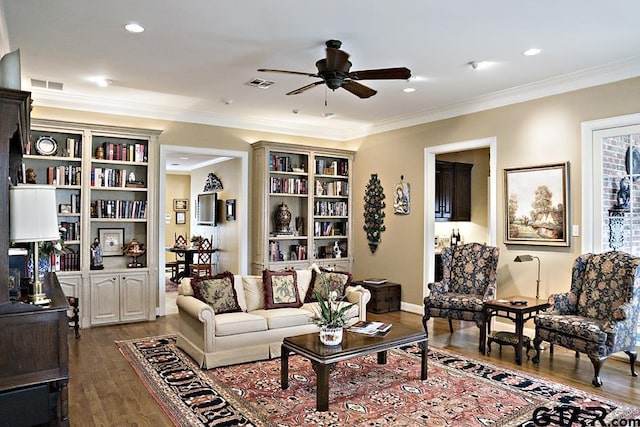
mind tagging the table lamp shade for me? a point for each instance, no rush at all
(33, 216)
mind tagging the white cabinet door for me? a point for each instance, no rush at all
(104, 299)
(134, 298)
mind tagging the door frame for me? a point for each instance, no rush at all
(430, 194)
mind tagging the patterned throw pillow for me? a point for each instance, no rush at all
(217, 291)
(336, 281)
(280, 289)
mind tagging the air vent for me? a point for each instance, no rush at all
(46, 84)
(260, 83)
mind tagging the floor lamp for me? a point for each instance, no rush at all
(33, 219)
(526, 258)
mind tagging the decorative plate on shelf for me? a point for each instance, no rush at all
(46, 146)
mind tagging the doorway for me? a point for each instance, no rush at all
(430, 154)
(242, 210)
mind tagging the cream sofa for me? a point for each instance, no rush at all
(214, 340)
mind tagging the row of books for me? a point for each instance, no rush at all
(329, 228)
(70, 208)
(65, 261)
(332, 167)
(370, 328)
(295, 253)
(331, 208)
(283, 185)
(64, 175)
(69, 230)
(128, 152)
(333, 188)
(123, 209)
(109, 178)
(281, 163)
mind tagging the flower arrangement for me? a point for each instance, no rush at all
(331, 315)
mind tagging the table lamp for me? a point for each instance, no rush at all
(33, 219)
(527, 258)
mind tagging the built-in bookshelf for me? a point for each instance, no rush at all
(102, 176)
(314, 186)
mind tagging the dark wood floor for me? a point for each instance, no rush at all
(104, 390)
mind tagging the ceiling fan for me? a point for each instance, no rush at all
(334, 72)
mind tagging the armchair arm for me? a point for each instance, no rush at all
(437, 288)
(360, 296)
(561, 303)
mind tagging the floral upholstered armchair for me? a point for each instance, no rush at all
(468, 279)
(599, 315)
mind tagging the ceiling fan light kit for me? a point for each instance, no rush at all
(334, 70)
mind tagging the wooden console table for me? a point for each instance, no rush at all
(34, 361)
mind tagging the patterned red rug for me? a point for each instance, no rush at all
(458, 392)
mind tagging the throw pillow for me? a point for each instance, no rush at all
(280, 289)
(217, 291)
(336, 281)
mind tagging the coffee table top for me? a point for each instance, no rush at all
(353, 344)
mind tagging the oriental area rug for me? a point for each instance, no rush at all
(459, 391)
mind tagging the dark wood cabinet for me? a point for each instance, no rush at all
(385, 297)
(453, 191)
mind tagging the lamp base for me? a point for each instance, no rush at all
(39, 299)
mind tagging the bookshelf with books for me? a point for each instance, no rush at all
(313, 185)
(101, 175)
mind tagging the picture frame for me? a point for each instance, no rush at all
(180, 205)
(112, 241)
(537, 205)
(181, 217)
(231, 209)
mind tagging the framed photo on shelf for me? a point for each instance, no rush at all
(112, 241)
(180, 205)
(537, 205)
(181, 217)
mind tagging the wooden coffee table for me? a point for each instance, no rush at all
(325, 357)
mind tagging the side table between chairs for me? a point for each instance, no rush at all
(517, 309)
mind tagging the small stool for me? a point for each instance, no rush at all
(508, 338)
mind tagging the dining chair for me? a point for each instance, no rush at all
(203, 265)
(177, 265)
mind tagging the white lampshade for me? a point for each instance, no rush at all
(33, 214)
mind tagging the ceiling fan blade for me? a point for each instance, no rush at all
(358, 89)
(337, 60)
(303, 88)
(301, 73)
(400, 73)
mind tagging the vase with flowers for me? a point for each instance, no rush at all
(331, 316)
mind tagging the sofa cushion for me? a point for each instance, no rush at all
(239, 323)
(335, 280)
(217, 291)
(253, 292)
(285, 317)
(280, 289)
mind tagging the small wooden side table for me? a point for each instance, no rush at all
(517, 309)
(385, 297)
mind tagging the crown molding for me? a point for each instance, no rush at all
(343, 131)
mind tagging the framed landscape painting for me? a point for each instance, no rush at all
(537, 205)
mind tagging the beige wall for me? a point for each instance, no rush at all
(542, 131)
(177, 187)
(530, 133)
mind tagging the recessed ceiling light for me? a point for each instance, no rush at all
(328, 115)
(183, 158)
(408, 90)
(104, 82)
(134, 28)
(479, 65)
(532, 52)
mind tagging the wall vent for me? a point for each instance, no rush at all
(46, 84)
(260, 83)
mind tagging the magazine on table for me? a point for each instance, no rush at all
(370, 328)
(374, 281)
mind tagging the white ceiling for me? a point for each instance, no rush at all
(195, 57)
